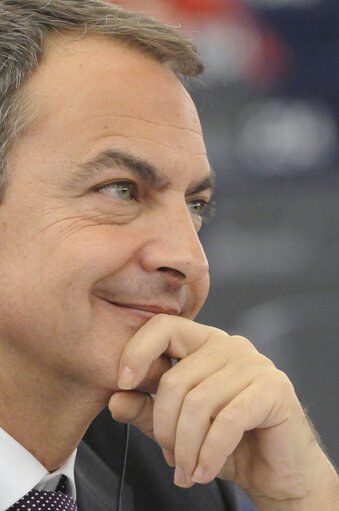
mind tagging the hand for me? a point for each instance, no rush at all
(223, 410)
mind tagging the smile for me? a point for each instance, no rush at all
(143, 312)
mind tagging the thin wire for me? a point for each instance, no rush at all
(123, 473)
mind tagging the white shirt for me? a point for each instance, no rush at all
(20, 472)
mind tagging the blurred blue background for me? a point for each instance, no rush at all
(269, 105)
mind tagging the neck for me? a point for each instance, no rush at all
(45, 415)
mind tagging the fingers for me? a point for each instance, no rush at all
(204, 436)
(199, 385)
(134, 408)
(258, 406)
(244, 413)
(176, 337)
(199, 408)
(214, 414)
(220, 389)
(178, 382)
(169, 457)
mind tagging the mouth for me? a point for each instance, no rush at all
(132, 316)
(151, 309)
(142, 312)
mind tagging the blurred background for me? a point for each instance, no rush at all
(269, 105)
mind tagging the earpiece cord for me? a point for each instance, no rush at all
(123, 473)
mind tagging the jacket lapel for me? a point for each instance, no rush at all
(97, 485)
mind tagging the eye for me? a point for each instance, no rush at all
(122, 190)
(197, 207)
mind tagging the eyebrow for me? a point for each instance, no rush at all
(138, 166)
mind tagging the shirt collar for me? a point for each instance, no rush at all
(50, 480)
(20, 472)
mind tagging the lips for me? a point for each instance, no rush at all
(141, 311)
(154, 309)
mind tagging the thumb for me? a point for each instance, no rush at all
(133, 407)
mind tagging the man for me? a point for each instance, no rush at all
(105, 181)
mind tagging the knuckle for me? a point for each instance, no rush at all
(276, 380)
(239, 347)
(265, 361)
(240, 342)
(218, 333)
(169, 382)
(284, 382)
(194, 399)
(162, 320)
(230, 416)
(216, 382)
(217, 340)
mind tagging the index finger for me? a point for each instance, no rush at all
(174, 336)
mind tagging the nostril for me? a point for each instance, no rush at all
(172, 271)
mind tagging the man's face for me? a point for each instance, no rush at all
(99, 225)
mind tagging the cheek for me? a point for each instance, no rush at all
(97, 251)
(61, 274)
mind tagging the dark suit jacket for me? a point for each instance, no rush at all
(148, 482)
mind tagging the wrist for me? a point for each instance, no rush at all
(320, 493)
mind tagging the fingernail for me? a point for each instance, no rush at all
(179, 477)
(198, 475)
(126, 378)
(169, 457)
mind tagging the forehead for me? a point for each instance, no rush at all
(93, 94)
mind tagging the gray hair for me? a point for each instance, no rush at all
(24, 25)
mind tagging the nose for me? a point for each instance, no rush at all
(174, 248)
